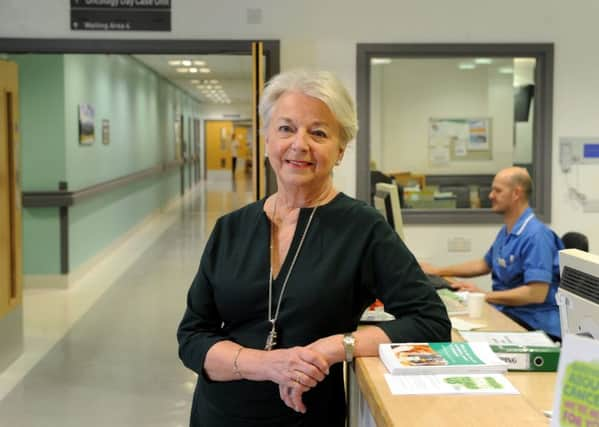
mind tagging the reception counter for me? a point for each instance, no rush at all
(372, 404)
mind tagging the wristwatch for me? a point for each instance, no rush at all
(349, 344)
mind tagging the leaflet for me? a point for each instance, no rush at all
(450, 384)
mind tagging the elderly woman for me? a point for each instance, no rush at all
(274, 307)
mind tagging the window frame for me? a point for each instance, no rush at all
(542, 125)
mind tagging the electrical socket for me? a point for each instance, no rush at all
(459, 244)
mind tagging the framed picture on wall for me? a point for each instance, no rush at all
(86, 124)
(105, 132)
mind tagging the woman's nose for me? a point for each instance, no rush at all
(300, 141)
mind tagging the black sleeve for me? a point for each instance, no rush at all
(405, 291)
(200, 327)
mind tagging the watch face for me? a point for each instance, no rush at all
(348, 345)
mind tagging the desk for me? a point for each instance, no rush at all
(373, 404)
(406, 179)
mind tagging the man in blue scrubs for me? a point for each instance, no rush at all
(523, 259)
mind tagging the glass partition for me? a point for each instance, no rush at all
(441, 120)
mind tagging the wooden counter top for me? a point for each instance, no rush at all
(526, 409)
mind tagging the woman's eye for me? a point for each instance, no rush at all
(319, 133)
(285, 128)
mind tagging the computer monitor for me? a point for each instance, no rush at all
(386, 201)
(578, 294)
(522, 99)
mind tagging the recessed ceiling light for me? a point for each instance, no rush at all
(380, 61)
(186, 62)
(199, 63)
(193, 70)
(174, 63)
(214, 81)
(204, 70)
(506, 70)
(483, 61)
(466, 66)
(182, 70)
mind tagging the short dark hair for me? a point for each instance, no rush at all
(521, 178)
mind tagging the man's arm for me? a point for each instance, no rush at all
(477, 267)
(530, 293)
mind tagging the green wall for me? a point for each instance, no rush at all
(140, 107)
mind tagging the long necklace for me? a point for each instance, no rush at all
(271, 339)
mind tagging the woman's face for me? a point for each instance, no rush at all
(302, 141)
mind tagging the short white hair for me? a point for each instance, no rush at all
(322, 85)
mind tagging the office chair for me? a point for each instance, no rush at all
(575, 240)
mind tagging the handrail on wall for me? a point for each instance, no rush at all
(63, 199)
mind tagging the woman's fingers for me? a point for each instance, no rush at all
(297, 365)
(292, 397)
(304, 381)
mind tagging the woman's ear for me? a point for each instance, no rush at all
(340, 156)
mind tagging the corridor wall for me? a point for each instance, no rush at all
(140, 107)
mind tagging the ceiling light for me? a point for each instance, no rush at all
(483, 61)
(186, 62)
(466, 66)
(174, 63)
(506, 70)
(204, 70)
(380, 61)
(214, 81)
(199, 63)
(193, 70)
(182, 70)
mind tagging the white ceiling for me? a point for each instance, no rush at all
(233, 72)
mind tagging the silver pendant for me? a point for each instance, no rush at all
(271, 339)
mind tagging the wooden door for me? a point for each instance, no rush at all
(10, 192)
(218, 140)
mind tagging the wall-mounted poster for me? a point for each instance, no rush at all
(86, 124)
(460, 139)
(105, 132)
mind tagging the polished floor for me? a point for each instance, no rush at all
(104, 352)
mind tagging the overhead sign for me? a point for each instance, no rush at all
(121, 15)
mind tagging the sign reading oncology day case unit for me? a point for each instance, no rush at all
(121, 15)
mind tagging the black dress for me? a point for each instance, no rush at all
(350, 256)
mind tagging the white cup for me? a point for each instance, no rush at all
(476, 301)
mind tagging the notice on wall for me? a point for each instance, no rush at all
(121, 15)
(459, 139)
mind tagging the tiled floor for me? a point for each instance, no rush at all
(104, 352)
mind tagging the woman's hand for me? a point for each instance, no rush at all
(296, 370)
(330, 347)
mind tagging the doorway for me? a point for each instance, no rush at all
(265, 58)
